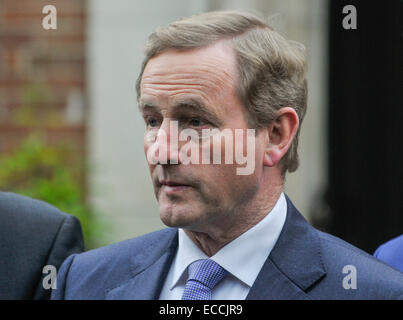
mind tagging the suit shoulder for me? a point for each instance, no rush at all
(30, 222)
(123, 250)
(344, 251)
(391, 252)
(334, 241)
(375, 277)
(91, 273)
(393, 246)
(33, 234)
(16, 207)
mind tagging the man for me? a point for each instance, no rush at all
(35, 238)
(232, 235)
(391, 253)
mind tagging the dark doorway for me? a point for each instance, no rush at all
(365, 193)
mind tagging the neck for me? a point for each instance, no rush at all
(216, 235)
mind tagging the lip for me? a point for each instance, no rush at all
(171, 187)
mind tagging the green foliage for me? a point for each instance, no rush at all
(52, 174)
(37, 109)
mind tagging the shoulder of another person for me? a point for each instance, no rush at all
(391, 253)
(31, 211)
(394, 246)
(33, 234)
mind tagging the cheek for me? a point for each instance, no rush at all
(146, 142)
(149, 145)
(222, 188)
(218, 180)
(146, 148)
(259, 156)
(149, 138)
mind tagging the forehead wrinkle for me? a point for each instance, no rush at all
(188, 71)
(209, 71)
(175, 92)
(206, 89)
(204, 80)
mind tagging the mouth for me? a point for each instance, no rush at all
(173, 187)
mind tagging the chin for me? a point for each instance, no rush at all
(178, 217)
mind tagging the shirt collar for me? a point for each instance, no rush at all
(244, 256)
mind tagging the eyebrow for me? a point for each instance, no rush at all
(188, 105)
(146, 104)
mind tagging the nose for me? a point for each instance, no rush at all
(164, 150)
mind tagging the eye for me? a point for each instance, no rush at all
(196, 122)
(152, 122)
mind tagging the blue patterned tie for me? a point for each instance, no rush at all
(203, 276)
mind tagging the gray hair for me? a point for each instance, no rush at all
(271, 69)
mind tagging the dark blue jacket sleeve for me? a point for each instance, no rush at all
(391, 253)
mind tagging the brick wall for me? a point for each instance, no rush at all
(42, 72)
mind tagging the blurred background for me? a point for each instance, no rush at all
(71, 134)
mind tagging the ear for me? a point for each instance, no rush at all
(281, 132)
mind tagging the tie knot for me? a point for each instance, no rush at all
(207, 272)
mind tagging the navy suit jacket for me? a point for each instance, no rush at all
(304, 264)
(33, 234)
(391, 253)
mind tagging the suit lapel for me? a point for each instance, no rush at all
(148, 272)
(272, 284)
(294, 264)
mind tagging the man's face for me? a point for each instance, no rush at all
(196, 88)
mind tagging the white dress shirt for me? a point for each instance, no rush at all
(243, 258)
